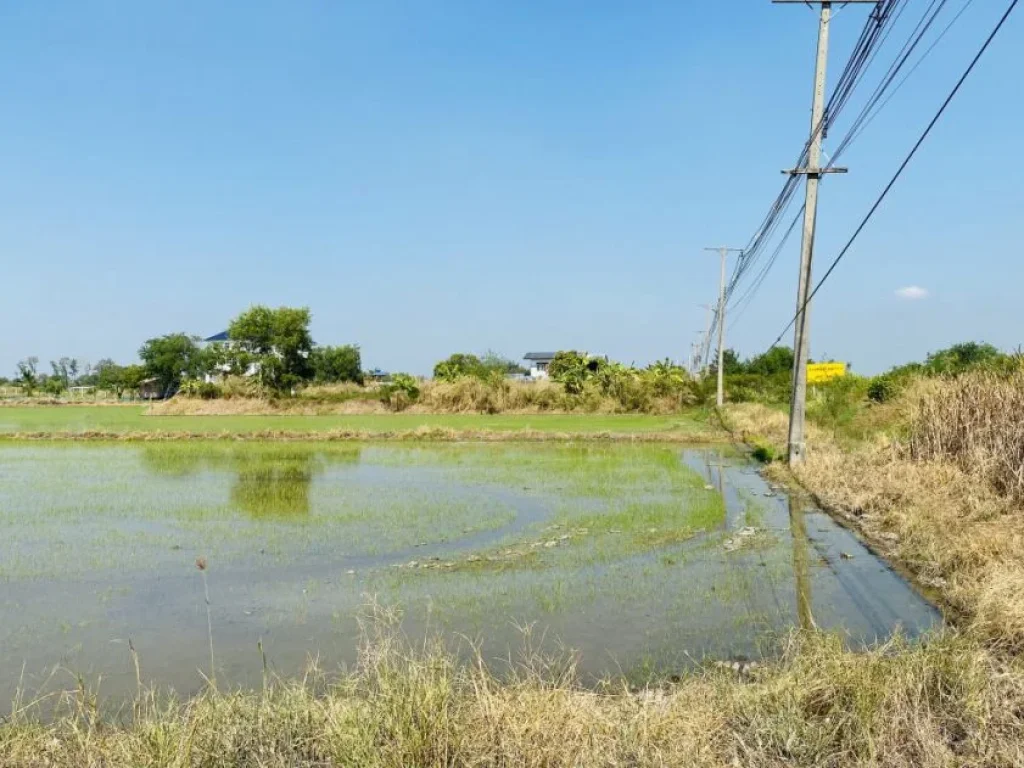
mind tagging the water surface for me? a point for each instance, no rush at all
(644, 558)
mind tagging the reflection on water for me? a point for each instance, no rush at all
(267, 490)
(801, 563)
(270, 480)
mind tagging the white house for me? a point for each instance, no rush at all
(538, 363)
(224, 370)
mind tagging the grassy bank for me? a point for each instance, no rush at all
(138, 423)
(943, 704)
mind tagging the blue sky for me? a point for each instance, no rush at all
(431, 177)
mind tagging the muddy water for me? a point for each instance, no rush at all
(100, 543)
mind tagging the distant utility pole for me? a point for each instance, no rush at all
(813, 172)
(723, 252)
(706, 344)
(699, 346)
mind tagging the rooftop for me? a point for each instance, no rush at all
(222, 336)
(539, 356)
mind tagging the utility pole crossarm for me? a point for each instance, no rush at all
(814, 171)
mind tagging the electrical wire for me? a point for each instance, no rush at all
(876, 29)
(903, 166)
(865, 53)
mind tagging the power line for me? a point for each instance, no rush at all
(873, 106)
(876, 30)
(904, 164)
(855, 133)
(743, 303)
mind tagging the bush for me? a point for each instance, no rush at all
(755, 388)
(764, 452)
(574, 369)
(402, 391)
(200, 390)
(834, 404)
(332, 365)
(884, 388)
(461, 364)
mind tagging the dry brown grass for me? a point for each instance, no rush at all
(939, 495)
(240, 406)
(748, 421)
(975, 421)
(466, 395)
(942, 704)
(470, 395)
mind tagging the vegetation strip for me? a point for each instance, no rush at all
(429, 434)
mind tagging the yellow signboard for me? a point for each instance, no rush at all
(819, 373)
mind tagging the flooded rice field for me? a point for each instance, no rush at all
(644, 559)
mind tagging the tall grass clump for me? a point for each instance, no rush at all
(976, 421)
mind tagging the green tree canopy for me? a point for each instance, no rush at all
(337, 364)
(279, 342)
(731, 362)
(65, 374)
(172, 357)
(961, 357)
(27, 376)
(110, 376)
(459, 364)
(132, 377)
(776, 360)
(463, 364)
(573, 369)
(494, 361)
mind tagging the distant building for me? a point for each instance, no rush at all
(538, 363)
(222, 371)
(150, 389)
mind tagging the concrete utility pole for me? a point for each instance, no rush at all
(813, 172)
(698, 368)
(723, 252)
(706, 341)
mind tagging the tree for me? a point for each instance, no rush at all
(337, 364)
(279, 342)
(960, 357)
(52, 385)
(132, 377)
(170, 358)
(109, 376)
(462, 364)
(731, 362)
(573, 369)
(65, 373)
(458, 365)
(493, 361)
(776, 360)
(27, 376)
